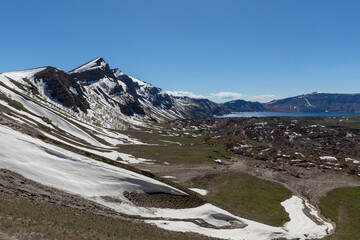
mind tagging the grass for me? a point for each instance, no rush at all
(258, 144)
(246, 196)
(350, 124)
(33, 220)
(348, 121)
(342, 205)
(177, 154)
(155, 138)
(173, 149)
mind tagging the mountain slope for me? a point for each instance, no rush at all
(63, 88)
(317, 102)
(155, 103)
(107, 96)
(244, 106)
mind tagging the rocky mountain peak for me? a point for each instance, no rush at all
(97, 63)
(61, 87)
(93, 70)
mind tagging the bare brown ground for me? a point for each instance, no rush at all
(164, 200)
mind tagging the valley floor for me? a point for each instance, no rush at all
(311, 183)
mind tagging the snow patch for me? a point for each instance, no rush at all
(328, 158)
(199, 191)
(218, 161)
(169, 177)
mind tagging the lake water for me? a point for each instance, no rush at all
(280, 114)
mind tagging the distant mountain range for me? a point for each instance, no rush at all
(110, 97)
(317, 102)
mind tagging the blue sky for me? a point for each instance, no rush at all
(254, 50)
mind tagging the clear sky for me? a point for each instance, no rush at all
(255, 50)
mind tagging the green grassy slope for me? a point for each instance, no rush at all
(342, 205)
(174, 149)
(246, 196)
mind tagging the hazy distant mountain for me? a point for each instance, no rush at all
(317, 102)
(244, 106)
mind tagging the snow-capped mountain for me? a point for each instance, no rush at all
(100, 95)
(317, 102)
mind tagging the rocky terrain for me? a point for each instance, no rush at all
(309, 142)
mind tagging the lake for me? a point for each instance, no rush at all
(280, 114)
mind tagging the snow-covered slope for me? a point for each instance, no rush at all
(54, 121)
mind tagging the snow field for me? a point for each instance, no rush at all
(68, 171)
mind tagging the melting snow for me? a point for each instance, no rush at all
(199, 191)
(169, 177)
(65, 170)
(328, 158)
